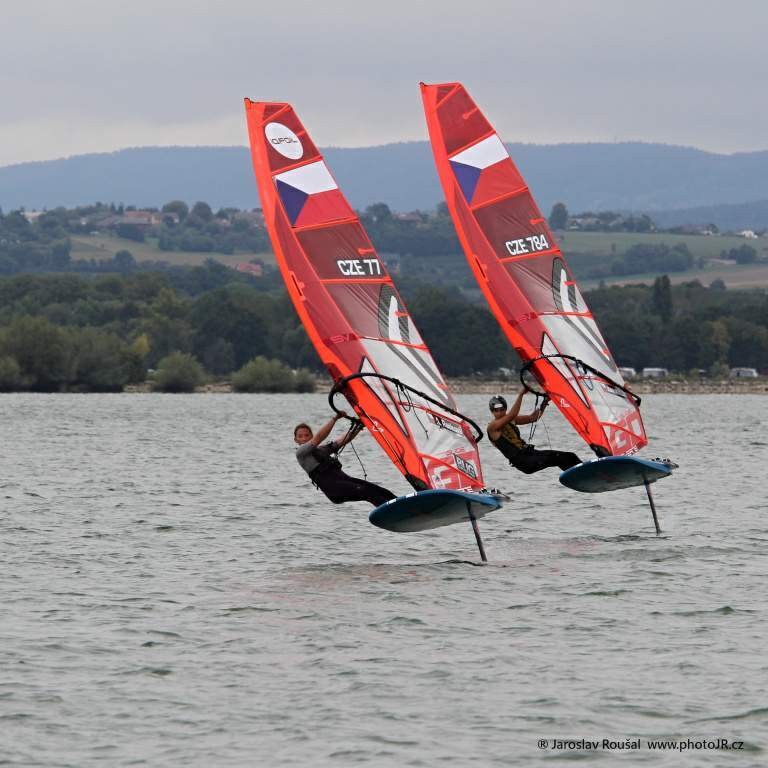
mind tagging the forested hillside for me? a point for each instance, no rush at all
(70, 332)
(595, 176)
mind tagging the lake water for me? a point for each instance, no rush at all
(174, 592)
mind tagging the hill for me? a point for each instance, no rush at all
(627, 176)
(104, 246)
(734, 217)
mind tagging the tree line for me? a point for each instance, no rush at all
(50, 324)
(69, 332)
(599, 221)
(686, 327)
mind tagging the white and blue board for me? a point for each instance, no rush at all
(612, 473)
(434, 508)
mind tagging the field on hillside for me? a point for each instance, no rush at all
(106, 246)
(427, 268)
(733, 275)
(615, 243)
(707, 247)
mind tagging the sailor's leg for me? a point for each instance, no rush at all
(375, 494)
(334, 484)
(340, 487)
(566, 459)
(534, 460)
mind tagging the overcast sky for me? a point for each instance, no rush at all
(83, 76)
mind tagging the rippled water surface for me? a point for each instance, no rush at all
(174, 592)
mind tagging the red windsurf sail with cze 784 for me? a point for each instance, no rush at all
(351, 310)
(524, 277)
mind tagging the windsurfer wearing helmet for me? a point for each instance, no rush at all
(320, 461)
(504, 434)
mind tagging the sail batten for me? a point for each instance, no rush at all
(524, 276)
(351, 310)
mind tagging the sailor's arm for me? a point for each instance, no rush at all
(529, 417)
(325, 430)
(515, 409)
(354, 430)
(534, 415)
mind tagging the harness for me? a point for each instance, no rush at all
(326, 460)
(509, 442)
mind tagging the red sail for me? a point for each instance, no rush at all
(524, 276)
(350, 308)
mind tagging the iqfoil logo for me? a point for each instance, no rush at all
(284, 140)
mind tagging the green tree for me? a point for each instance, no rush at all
(305, 381)
(744, 254)
(136, 359)
(218, 356)
(263, 375)
(295, 347)
(130, 232)
(102, 361)
(10, 374)
(45, 353)
(378, 212)
(661, 301)
(471, 342)
(202, 211)
(166, 334)
(179, 207)
(691, 343)
(59, 259)
(749, 343)
(178, 372)
(242, 316)
(718, 342)
(165, 324)
(124, 261)
(558, 218)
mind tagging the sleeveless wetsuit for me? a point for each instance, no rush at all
(525, 457)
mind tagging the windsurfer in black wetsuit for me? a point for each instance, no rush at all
(505, 435)
(321, 463)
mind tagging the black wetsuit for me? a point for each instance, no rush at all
(337, 485)
(525, 457)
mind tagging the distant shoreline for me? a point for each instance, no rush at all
(469, 386)
(671, 386)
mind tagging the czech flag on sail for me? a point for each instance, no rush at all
(311, 196)
(484, 171)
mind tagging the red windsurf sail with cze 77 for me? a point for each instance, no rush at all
(524, 276)
(352, 311)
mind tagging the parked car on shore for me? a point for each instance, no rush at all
(655, 373)
(743, 373)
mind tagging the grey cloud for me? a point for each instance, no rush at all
(684, 72)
